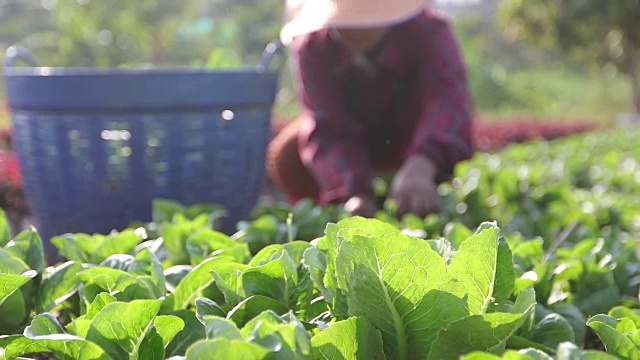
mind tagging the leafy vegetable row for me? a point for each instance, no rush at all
(364, 290)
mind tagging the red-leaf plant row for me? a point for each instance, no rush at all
(492, 135)
(495, 134)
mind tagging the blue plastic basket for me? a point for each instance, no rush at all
(97, 146)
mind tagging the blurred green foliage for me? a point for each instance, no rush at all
(90, 33)
(508, 78)
(589, 31)
(142, 32)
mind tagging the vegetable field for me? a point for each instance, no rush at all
(534, 256)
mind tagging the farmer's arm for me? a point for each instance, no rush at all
(330, 142)
(443, 133)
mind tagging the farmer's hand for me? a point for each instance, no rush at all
(414, 187)
(361, 205)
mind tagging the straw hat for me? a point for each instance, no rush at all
(306, 16)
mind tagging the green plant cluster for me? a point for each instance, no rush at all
(555, 276)
(297, 300)
(542, 188)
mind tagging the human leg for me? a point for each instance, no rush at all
(285, 168)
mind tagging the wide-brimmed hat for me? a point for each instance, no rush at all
(306, 16)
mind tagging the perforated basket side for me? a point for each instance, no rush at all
(97, 172)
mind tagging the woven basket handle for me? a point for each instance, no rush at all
(17, 53)
(272, 49)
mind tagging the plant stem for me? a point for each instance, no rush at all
(290, 227)
(564, 235)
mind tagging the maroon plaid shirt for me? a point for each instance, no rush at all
(409, 96)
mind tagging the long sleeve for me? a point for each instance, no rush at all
(331, 144)
(443, 131)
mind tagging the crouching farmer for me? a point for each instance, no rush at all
(384, 90)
